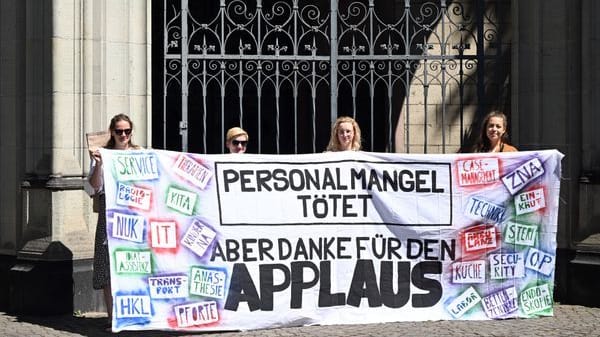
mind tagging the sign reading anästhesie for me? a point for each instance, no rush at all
(236, 242)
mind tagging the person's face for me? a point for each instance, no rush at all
(238, 144)
(495, 129)
(122, 134)
(345, 135)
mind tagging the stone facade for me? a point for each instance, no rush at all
(66, 67)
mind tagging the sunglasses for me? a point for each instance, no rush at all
(123, 131)
(239, 142)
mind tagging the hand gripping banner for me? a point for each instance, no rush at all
(239, 242)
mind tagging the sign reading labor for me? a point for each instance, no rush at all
(219, 243)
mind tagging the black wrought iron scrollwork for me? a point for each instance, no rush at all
(247, 48)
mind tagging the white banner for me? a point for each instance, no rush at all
(237, 242)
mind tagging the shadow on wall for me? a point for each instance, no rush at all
(41, 280)
(476, 84)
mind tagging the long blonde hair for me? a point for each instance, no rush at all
(334, 142)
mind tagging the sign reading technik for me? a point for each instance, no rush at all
(238, 242)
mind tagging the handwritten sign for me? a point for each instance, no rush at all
(523, 175)
(133, 196)
(520, 234)
(501, 303)
(133, 262)
(133, 306)
(464, 302)
(507, 266)
(196, 314)
(181, 200)
(478, 171)
(530, 201)
(480, 209)
(468, 272)
(218, 243)
(192, 171)
(207, 282)
(128, 227)
(536, 299)
(198, 237)
(540, 261)
(164, 234)
(480, 238)
(137, 166)
(168, 286)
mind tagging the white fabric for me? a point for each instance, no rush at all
(238, 242)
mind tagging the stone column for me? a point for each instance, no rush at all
(547, 103)
(83, 62)
(553, 37)
(12, 99)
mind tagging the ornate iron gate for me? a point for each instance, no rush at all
(414, 73)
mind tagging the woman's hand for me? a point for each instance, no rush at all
(97, 157)
(96, 178)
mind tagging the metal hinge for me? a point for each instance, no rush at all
(183, 126)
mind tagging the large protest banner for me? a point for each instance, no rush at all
(237, 242)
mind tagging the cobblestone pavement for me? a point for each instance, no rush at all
(568, 320)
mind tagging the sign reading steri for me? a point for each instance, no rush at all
(217, 242)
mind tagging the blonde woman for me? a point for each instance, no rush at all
(236, 140)
(345, 135)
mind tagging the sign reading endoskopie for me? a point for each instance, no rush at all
(221, 242)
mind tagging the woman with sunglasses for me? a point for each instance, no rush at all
(236, 140)
(120, 129)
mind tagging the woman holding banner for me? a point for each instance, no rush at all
(120, 128)
(345, 135)
(236, 140)
(494, 136)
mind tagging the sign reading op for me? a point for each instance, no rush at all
(230, 242)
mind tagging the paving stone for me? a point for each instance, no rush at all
(568, 320)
